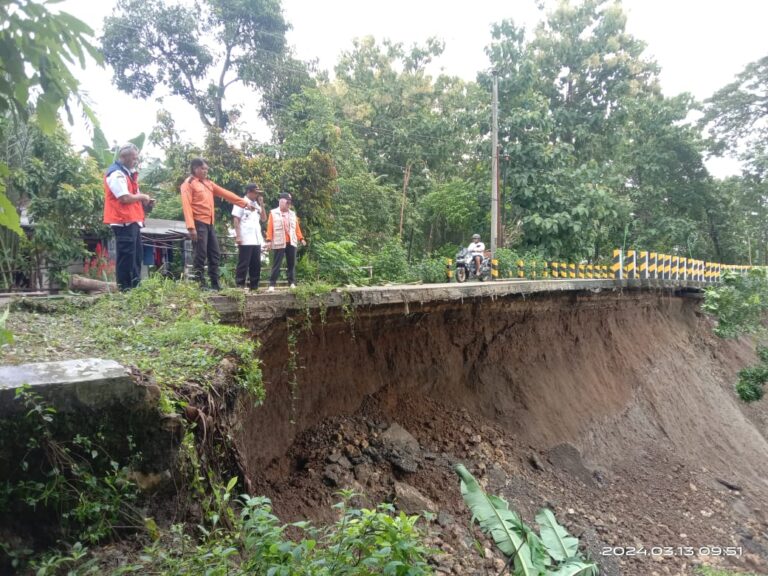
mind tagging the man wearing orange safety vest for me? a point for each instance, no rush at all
(283, 237)
(124, 212)
(197, 194)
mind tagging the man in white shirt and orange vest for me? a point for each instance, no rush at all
(283, 237)
(124, 212)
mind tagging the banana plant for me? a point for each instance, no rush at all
(102, 152)
(554, 553)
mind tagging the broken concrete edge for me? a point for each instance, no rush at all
(271, 305)
(93, 396)
(89, 384)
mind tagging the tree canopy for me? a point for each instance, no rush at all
(196, 51)
(388, 159)
(37, 51)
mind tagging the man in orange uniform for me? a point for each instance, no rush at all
(283, 236)
(197, 194)
(124, 207)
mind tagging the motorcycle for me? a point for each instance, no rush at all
(465, 267)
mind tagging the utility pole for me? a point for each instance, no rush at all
(495, 164)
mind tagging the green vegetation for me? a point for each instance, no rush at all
(709, 571)
(244, 537)
(739, 304)
(388, 165)
(361, 542)
(39, 49)
(148, 327)
(145, 328)
(554, 551)
(76, 482)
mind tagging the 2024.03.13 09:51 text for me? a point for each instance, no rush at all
(671, 551)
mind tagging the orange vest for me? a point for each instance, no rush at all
(114, 211)
(279, 233)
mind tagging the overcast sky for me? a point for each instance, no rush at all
(700, 46)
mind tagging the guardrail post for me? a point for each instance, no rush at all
(448, 269)
(630, 264)
(617, 268)
(643, 266)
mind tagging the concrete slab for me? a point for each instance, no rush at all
(71, 385)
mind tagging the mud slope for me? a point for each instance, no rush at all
(635, 382)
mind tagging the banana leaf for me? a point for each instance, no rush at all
(500, 523)
(556, 539)
(576, 568)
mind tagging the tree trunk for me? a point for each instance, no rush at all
(90, 285)
(406, 177)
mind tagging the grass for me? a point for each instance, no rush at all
(166, 329)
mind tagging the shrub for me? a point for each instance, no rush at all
(338, 262)
(390, 264)
(362, 542)
(431, 270)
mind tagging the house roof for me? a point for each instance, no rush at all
(152, 226)
(159, 227)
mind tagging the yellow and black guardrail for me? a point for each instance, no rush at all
(629, 264)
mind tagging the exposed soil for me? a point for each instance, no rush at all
(615, 410)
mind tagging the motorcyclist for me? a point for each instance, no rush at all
(476, 250)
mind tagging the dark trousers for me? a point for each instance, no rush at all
(207, 246)
(129, 252)
(248, 263)
(290, 256)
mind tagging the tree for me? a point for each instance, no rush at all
(197, 52)
(736, 117)
(593, 154)
(62, 194)
(37, 49)
(590, 70)
(671, 191)
(455, 210)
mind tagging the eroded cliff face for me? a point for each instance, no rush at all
(620, 405)
(610, 373)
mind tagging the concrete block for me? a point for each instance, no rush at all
(71, 385)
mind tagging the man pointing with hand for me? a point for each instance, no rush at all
(197, 193)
